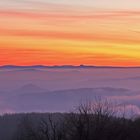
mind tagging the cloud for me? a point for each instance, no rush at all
(70, 14)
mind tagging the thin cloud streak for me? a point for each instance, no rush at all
(69, 36)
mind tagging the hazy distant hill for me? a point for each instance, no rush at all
(30, 88)
(32, 98)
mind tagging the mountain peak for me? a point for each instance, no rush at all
(30, 88)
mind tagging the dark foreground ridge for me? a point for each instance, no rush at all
(96, 122)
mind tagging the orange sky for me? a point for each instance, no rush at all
(59, 34)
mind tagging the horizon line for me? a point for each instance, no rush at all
(80, 65)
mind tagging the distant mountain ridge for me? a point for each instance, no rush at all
(59, 66)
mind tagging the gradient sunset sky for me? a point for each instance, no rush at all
(64, 32)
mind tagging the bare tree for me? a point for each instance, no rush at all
(89, 119)
(51, 129)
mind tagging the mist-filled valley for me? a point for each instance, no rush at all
(60, 89)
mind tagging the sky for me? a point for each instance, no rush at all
(70, 32)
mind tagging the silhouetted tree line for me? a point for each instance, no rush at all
(96, 121)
